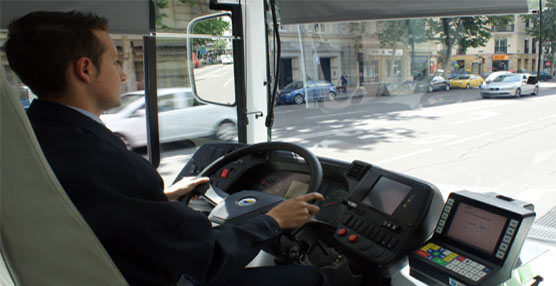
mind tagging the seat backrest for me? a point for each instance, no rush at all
(43, 238)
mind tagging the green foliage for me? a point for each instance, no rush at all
(464, 32)
(405, 31)
(160, 4)
(549, 25)
(408, 32)
(215, 27)
(220, 46)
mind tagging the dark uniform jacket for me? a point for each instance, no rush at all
(151, 240)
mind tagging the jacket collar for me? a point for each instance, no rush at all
(51, 111)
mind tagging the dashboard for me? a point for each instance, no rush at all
(370, 215)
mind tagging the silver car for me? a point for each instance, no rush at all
(511, 85)
(180, 117)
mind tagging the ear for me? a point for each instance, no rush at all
(84, 69)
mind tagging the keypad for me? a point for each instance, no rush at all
(459, 264)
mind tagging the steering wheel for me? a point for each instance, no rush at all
(244, 204)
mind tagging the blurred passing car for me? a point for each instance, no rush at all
(494, 75)
(511, 85)
(317, 90)
(180, 117)
(466, 81)
(432, 83)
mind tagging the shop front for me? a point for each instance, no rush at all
(500, 63)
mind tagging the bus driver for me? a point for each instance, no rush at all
(69, 61)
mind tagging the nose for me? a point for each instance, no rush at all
(123, 76)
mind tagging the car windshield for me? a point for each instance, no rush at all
(127, 99)
(507, 78)
(462, 77)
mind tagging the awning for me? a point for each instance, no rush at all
(318, 11)
(124, 16)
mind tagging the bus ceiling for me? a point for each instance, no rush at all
(137, 17)
(319, 11)
(125, 17)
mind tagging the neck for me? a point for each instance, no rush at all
(74, 100)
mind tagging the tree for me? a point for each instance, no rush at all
(407, 32)
(220, 46)
(215, 27)
(549, 29)
(464, 32)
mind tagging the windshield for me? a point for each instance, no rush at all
(507, 78)
(394, 116)
(294, 85)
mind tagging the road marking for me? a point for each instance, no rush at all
(482, 115)
(546, 117)
(334, 114)
(404, 156)
(468, 139)
(228, 81)
(519, 125)
(281, 112)
(435, 139)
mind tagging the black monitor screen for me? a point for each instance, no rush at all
(476, 227)
(386, 195)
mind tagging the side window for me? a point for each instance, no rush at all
(181, 101)
(166, 103)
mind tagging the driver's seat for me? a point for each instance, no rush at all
(43, 238)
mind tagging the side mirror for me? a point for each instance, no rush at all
(210, 59)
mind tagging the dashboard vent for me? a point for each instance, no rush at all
(357, 169)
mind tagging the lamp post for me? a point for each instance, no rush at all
(540, 42)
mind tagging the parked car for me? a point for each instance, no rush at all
(180, 117)
(466, 81)
(457, 73)
(544, 76)
(317, 90)
(511, 85)
(227, 59)
(432, 83)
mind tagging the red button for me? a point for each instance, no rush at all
(461, 258)
(224, 173)
(352, 238)
(342, 231)
(422, 253)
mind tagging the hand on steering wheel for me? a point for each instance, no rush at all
(296, 212)
(183, 187)
(264, 202)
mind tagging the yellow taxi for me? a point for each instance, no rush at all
(466, 81)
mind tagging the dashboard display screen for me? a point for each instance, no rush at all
(476, 227)
(386, 195)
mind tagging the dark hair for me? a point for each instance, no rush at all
(41, 45)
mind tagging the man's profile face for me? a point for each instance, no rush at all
(109, 76)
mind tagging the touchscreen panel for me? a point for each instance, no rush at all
(476, 227)
(386, 195)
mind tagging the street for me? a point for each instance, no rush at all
(504, 145)
(215, 82)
